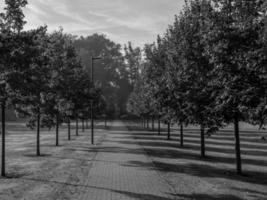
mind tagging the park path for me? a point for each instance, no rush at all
(122, 170)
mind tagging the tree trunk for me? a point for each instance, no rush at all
(169, 131)
(87, 126)
(153, 127)
(105, 122)
(202, 136)
(3, 167)
(237, 147)
(92, 122)
(143, 123)
(83, 125)
(147, 123)
(69, 129)
(57, 128)
(77, 126)
(181, 135)
(158, 126)
(38, 135)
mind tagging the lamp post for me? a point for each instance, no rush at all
(92, 101)
(3, 165)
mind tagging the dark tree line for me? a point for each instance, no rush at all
(209, 69)
(45, 77)
(42, 77)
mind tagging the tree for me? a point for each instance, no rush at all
(258, 55)
(133, 59)
(141, 101)
(110, 73)
(84, 92)
(209, 68)
(232, 36)
(156, 73)
(32, 84)
(130, 73)
(64, 59)
(11, 24)
(187, 55)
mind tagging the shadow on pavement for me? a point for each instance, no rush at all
(192, 164)
(134, 195)
(201, 170)
(208, 197)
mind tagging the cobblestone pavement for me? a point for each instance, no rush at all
(130, 164)
(121, 170)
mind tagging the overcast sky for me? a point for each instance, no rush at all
(138, 21)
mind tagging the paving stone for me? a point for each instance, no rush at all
(122, 170)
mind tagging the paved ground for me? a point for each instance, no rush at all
(132, 164)
(113, 176)
(77, 170)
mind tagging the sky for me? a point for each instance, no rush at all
(138, 21)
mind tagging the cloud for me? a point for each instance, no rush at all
(138, 21)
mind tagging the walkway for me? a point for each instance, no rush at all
(123, 171)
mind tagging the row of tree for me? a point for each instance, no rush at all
(209, 69)
(41, 76)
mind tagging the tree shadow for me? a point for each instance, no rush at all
(202, 170)
(163, 150)
(196, 140)
(251, 193)
(36, 156)
(102, 149)
(14, 175)
(53, 145)
(142, 196)
(208, 197)
(155, 147)
(246, 136)
(228, 144)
